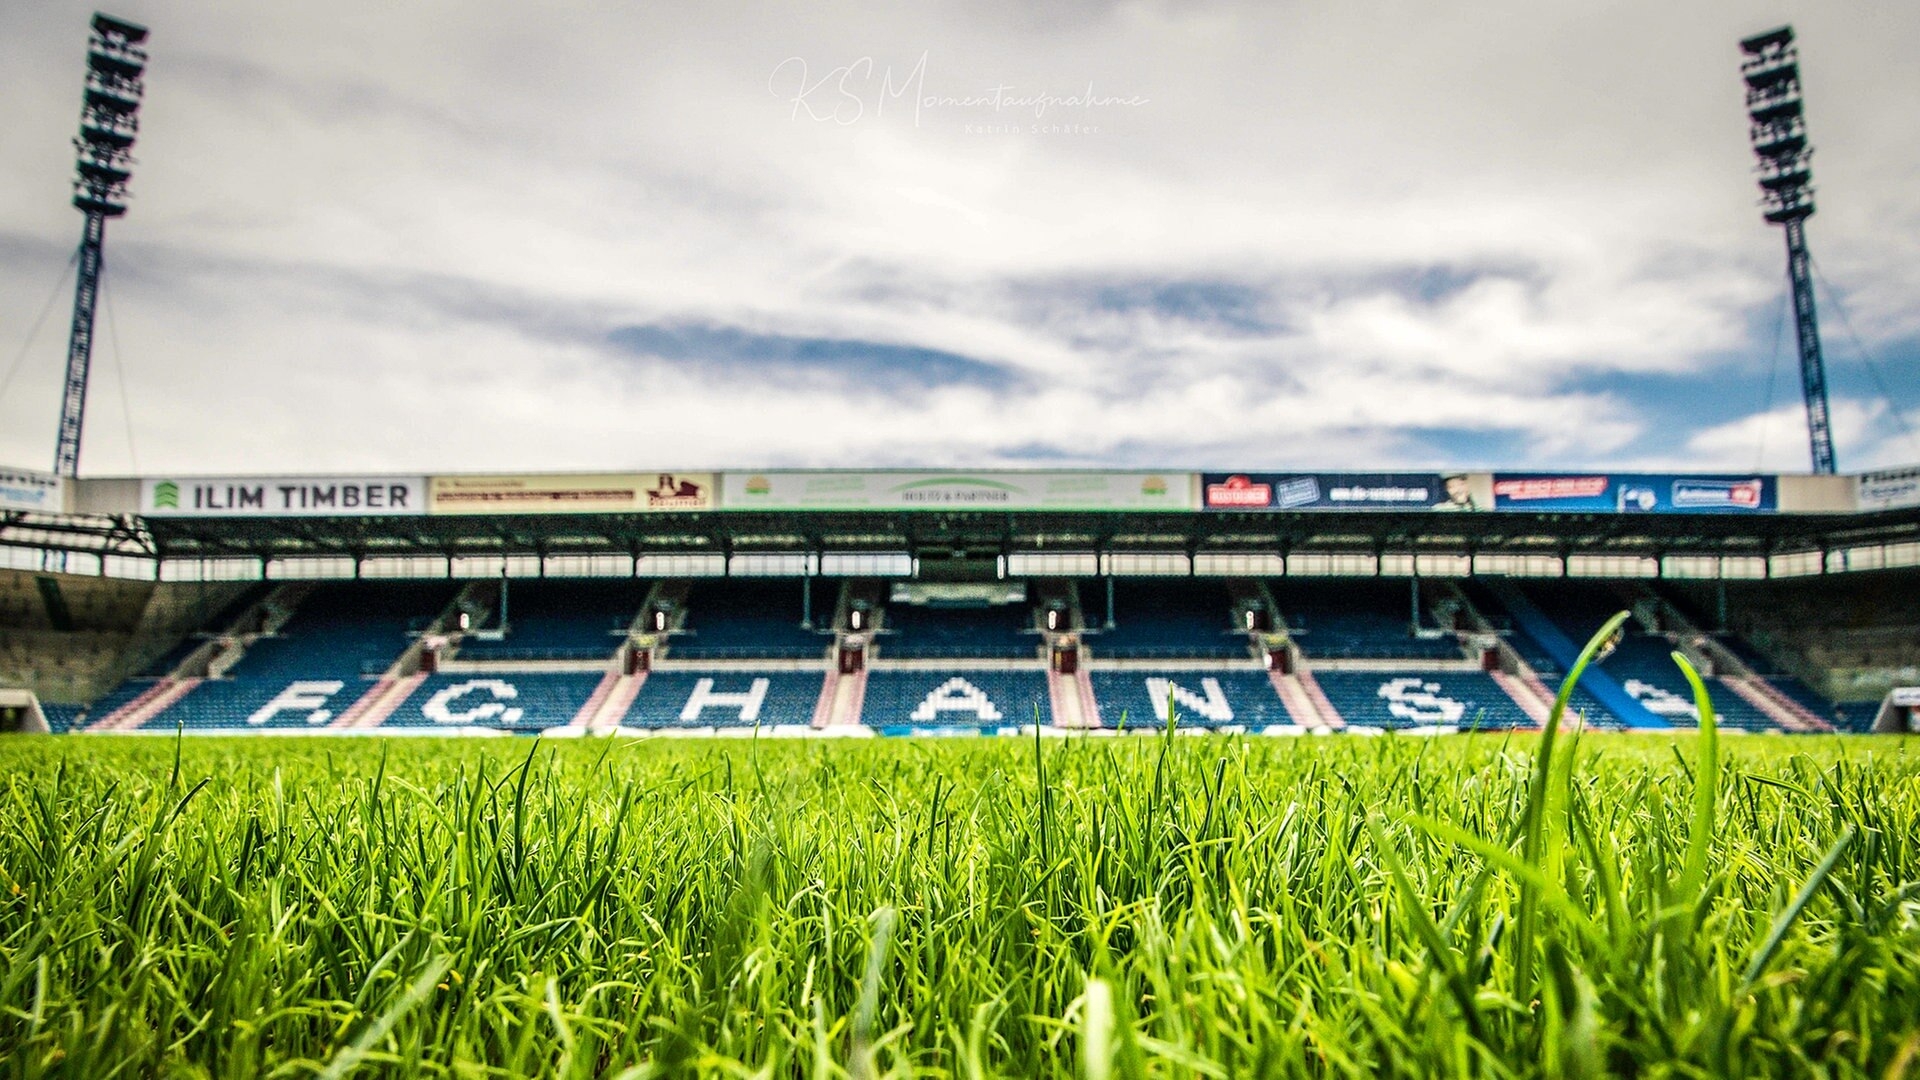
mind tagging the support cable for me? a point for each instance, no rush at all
(120, 375)
(1773, 372)
(1872, 366)
(27, 345)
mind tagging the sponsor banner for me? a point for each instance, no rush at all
(581, 493)
(23, 490)
(1346, 491)
(956, 491)
(1817, 494)
(1908, 696)
(1634, 493)
(297, 496)
(1890, 489)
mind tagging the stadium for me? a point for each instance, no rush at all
(858, 603)
(650, 767)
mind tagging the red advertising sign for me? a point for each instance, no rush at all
(1238, 490)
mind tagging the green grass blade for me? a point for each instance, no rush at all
(1784, 921)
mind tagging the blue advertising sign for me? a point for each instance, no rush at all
(1634, 493)
(1342, 491)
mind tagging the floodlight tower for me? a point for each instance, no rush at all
(109, 121)
(1779, 133)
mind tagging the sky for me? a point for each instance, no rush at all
(1176, 235)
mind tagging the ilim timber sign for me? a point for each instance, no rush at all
(303, 496)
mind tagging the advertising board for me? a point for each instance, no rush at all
(290, 496)
(1345, 491)
(956, 491)
(1890, 489)
(1594, 493)
(572, 493)
(21, 489)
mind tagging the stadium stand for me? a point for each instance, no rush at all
(933, 632)
(62, 718)
(1776, 650)
(1570, 611)
(1135, 698)
(1164, 620)
(1643, 664)
(1426, 699)
(1849, 639)
(560, 620)
(979, 698)
(506, 701)
(731, 697)
(753, 620)
(1356, 620)
(74, 639)
(339, 639)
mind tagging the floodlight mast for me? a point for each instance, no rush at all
(103, 165)
(1779, 132)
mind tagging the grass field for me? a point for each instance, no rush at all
(1089, 907)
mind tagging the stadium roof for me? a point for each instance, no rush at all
(941, 514)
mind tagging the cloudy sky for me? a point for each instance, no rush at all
(484, 235)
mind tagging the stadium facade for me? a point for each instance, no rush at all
(790, 602)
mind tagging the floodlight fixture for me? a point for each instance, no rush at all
(1771, 69)
(103, 166)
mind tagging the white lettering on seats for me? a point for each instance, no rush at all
(1420, 702)
(309, 694)
(1165, 694)
(1661, 702)
(956, 695)
(748, 703)
(439, 708)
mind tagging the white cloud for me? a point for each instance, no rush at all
(369, 237)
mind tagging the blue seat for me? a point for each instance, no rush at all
(1365, 620)
(1187, 619)
(509, 701)
(978, 698)
(562, 620)
(1134, 699)
(342, 637)
(754, 620)
(1399, 700)
(726, 698)
(1578, 625)
(1644, 665)
(946, 633)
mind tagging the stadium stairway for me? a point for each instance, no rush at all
(319, 659)
(262, 617)
(611, 699)
(1066, 706)
(841, 700)
(403, 676)
(1722, 665)
(1513, 673)
(1294, 682)
(1300, 704)
(1085, 704)
(1606, 691)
